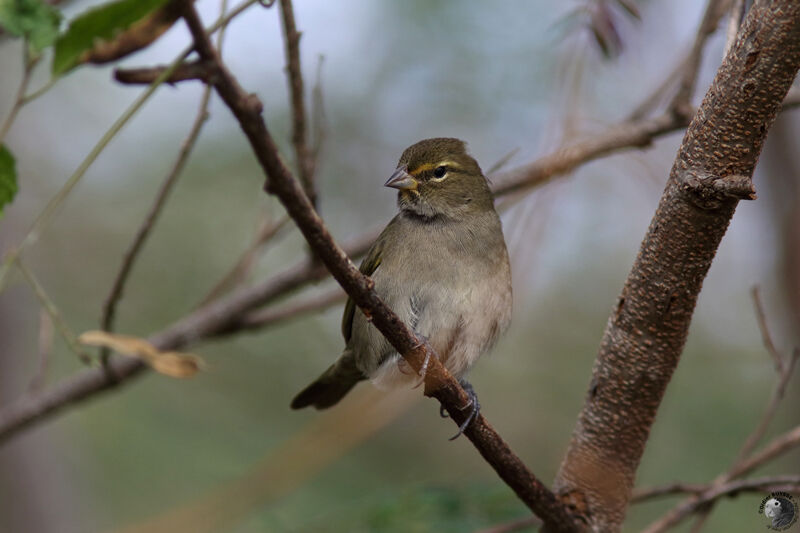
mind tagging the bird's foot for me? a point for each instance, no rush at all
(423, 371)
(473, 404)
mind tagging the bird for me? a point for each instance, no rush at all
(441, 264)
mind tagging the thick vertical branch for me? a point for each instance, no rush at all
(647, 329)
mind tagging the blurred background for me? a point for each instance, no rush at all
(222, 451)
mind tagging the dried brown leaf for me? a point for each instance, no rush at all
(173, 364)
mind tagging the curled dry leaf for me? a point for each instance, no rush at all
(138, 36)
(173, 364)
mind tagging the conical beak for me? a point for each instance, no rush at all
(402, 180)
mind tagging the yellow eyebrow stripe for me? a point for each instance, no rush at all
(428, 166)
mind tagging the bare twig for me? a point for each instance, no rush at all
(193, 70)
(274, 315)
(715, 9)
(776, 447)
(114, 295)
(55, 315)
(685, 72)
(777, 359)
(238, 272)
(769, 412)
(45, 344)
(19, 99)
(710, 492)
(729, 489)
(736, 15)
(438, 382)
(319, 124)
(305, 160)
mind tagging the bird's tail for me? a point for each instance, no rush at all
(332, 385)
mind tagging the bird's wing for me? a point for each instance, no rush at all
(368, 266)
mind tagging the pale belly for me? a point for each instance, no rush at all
(461, 318)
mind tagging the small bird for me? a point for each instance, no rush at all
(441, 265)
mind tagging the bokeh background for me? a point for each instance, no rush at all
(222, 451)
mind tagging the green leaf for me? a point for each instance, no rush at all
(33, 19)
(101, 24)
(8, 178)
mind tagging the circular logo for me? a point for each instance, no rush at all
(781, 509)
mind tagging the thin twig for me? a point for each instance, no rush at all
(238, 272)
(777, 359)
(305, 166)
(319, 122)
(274, 315)
(132, 253)
(47, 304)
(503, 161)
(769, 413)
(737, 11)
(685, 72)
(715, 9)
(729, 489)
(45, 345)
(193, 70)
(19, 99)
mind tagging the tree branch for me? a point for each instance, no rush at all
(647, 331)
(194, 70)
(305, 159)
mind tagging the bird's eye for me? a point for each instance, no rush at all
(440, 172)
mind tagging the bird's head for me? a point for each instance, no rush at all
(438, 178)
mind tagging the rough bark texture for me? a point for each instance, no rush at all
(647, 328)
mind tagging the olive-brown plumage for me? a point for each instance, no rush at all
(441, 264)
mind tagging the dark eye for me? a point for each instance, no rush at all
(440, 172)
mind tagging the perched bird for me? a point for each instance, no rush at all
(441, 265)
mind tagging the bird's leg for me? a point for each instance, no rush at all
(423, 370)
(473, 404)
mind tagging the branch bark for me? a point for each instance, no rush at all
(647, 329)
(305, 159)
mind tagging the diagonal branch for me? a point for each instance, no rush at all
(438, 382)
